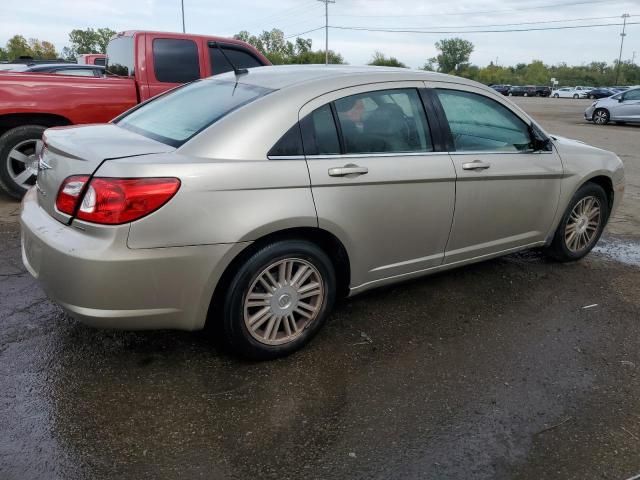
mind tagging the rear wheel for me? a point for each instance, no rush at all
(526, 94)
(581, 225)
(18, 159)
(600, 116)
(510, 94)
(592, 97)
(555, 95)
(575, 95)
(278, 299)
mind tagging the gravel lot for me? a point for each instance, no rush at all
(492, 371)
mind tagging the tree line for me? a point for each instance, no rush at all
(80, 41)
(452, 57)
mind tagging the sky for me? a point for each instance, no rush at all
(53, 20)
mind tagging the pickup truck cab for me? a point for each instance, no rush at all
(140, 65)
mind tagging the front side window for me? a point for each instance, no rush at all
(478, 123)
(239, 58)
(175, 60)
(177, 116)
(632, 95)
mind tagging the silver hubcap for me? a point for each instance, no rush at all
(600, 117)
(583, 224)
(284, 299)
(22, 162)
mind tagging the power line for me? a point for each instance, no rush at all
(518, 9)
(565, 27)
(305, 32)
(502, 24)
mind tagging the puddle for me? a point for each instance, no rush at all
(620, 250)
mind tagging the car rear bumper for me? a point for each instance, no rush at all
(98, 280)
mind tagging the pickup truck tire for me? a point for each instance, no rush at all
(18, 161)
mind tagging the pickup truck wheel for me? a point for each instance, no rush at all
(18, 159)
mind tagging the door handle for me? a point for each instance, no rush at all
(349, 169)
(475, 165)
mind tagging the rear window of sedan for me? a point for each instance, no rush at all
(177, 116)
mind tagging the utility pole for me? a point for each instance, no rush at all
(326, 29)
(633, 58)
(622, 35)
(182, 8)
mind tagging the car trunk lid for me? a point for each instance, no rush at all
(71, 151)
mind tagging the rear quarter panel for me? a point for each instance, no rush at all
(78, 99)
(219, 201)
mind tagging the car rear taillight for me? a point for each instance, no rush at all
(113, 201)
(69, 193)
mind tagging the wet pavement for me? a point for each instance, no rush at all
(517, 368)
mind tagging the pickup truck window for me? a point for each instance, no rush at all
(177, 116)
(120, 56)
(239, 57)
(175, 60)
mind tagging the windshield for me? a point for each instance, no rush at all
(175, 117)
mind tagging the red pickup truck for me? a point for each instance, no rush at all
(140, 65)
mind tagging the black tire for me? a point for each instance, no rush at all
(555, 95)
(234, 328)
(592, 97)
(510, 94)
(8, 142)
(558, 248)
(600, 116)
(576, 96)
(525, 94)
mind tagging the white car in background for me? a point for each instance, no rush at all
(571, 92)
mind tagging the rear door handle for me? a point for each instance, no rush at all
(475, 165)
(349, 169)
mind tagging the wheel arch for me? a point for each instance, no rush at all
(13, 120)
(324, 239)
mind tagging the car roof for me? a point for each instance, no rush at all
(282, 76)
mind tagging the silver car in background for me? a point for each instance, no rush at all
(253, 201)
(624, 107)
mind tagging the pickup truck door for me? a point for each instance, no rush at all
(171, 61)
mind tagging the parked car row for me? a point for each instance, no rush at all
(526, 91)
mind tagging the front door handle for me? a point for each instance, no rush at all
(475, 165)
(349, 169)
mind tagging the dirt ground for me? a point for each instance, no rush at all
(516, 368)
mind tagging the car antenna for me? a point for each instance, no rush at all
(236, 70)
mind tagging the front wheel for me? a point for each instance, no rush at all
(576, 96)
(555, 95)
(278, 299)
(18, 159)
(600, 116)
(581, 225)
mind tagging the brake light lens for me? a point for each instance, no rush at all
(113, 201)
(69, 193)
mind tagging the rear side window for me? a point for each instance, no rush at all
(478, 123)
(99, 61)
(290, 145)
(177, 116)
(120, 56)
(319, 133)
(78, 72)
(384, 121)
(175, 60)
(239, 57)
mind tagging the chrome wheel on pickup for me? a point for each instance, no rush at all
(19, 148)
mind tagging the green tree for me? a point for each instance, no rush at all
(102, 36)
(381, 60)
(83, 41)
(18, 46)
(3, 54)
(42, 49)
(454, 54)
(279, 51)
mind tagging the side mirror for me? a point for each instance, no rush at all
(539, 141)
